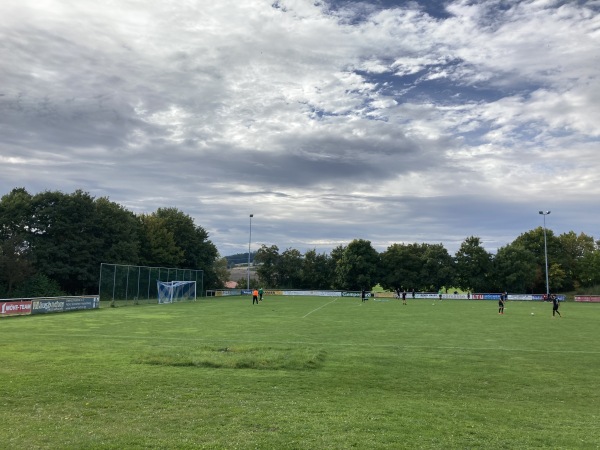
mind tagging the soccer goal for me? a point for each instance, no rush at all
(176, 291)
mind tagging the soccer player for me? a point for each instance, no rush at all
(363, 295)
(404, 297)
(501, 304)
(255, 296)
(555, 304)
(260, 294)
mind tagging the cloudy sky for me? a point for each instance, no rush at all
(391, 121)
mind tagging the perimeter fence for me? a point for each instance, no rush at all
(131, 285)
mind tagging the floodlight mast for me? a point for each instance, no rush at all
(545, 213)
(249, 243)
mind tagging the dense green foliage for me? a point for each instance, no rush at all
(303, 373)
(53, 243)
(574, 264)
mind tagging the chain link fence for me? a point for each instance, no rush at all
(131, 285)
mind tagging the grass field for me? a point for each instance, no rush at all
(303, 373)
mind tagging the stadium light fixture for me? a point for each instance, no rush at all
(249, 243)
(545, 213)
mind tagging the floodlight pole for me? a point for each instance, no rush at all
(249, 243)
(545, 213)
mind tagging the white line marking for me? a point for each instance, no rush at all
(322, 306)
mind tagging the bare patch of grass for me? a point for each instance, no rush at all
(238, 357)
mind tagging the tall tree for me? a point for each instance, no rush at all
(119, 231)
(557, 278)
(533, 241)
(473, 265)
(401, 266)
(515, 269)
(158, 247)
(198, 251)
(267, 259)
(573, 249)
(337, 253)
(290, 269)
(588, 271)
(15, 266)
(438, 267)
(15, 214)
(15, 255)
(359, 266)
(318, 271)
(64, 245)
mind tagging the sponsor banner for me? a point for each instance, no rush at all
(62, 304)
(226, 293)
(313, 293)
(561, 298)
(75, 304)
(15, 308)
(273, 292)
(47, 306)
(356, 294)
(520, 297)
(269, 292)
(588, 298)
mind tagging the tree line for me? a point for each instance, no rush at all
(573, 263)
(53, 243)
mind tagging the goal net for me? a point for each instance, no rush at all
(176, 291)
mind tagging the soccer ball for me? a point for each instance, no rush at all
(533, 314)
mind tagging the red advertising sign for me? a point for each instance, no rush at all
(15, 308)
(588, 298)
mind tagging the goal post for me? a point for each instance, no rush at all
(175, 291)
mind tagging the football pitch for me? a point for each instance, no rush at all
(303, 373)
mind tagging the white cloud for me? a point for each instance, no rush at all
(329, 123)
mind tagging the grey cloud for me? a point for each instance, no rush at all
(223, 109)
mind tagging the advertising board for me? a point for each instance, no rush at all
(588, 298)
(62, 304)
(18, 308)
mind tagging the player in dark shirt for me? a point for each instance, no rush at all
(501, 303)
(555, 304)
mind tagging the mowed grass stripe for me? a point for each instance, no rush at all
(323, 344)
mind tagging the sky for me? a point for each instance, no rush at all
(389, 121)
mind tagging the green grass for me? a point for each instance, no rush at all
(303, 373)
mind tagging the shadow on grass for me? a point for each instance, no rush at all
(239, 357)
